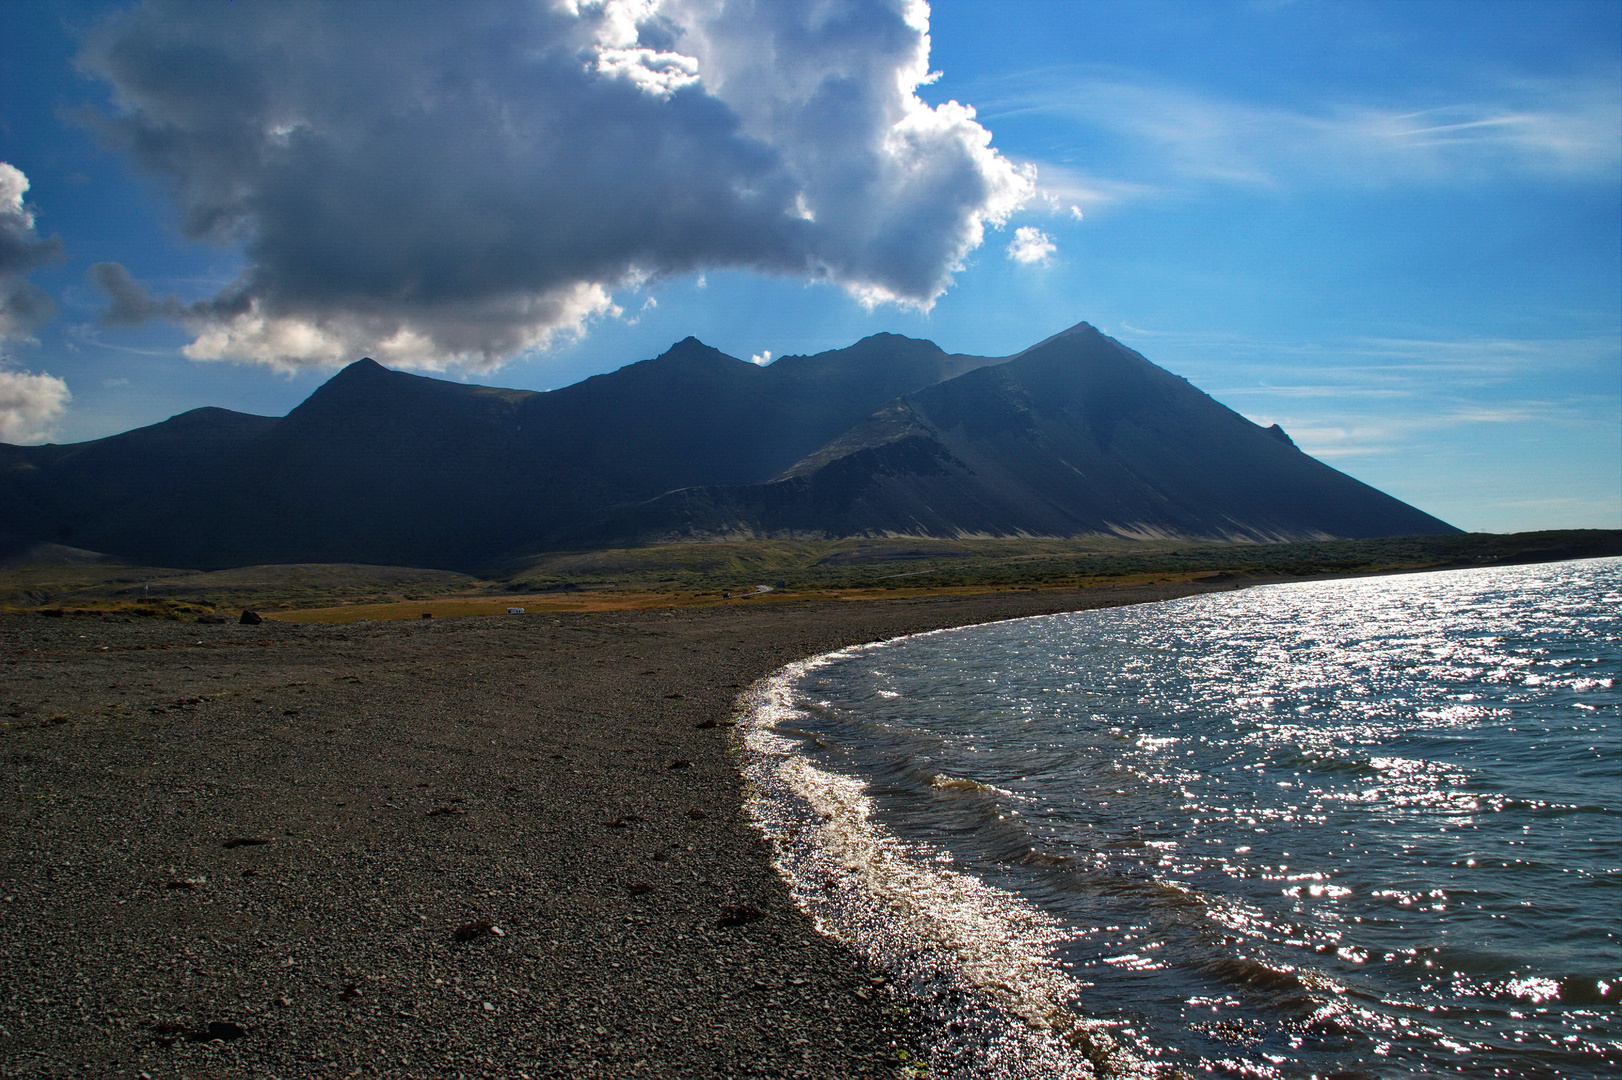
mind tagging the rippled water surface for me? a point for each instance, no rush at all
(1371, 827)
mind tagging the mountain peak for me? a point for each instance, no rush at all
(1080, 330)
(364, 366)
(690, 349)
(363, 383)
(1281, 435)
(1080, 333)
(361, 372)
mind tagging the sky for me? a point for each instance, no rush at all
(1393, 228)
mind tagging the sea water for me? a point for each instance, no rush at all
(1365, 828)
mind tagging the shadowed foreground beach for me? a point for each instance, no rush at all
(501, 846)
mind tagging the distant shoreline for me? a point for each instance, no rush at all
(53, 580)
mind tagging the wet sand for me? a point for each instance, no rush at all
(496, 847)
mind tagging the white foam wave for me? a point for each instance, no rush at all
(974, 960)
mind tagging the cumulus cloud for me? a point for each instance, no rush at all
(30, 405)
(23, 305)
(444, 185)
(1031, 246)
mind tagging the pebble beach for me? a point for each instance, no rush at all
(505, 846)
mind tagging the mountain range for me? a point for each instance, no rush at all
(1077, 435)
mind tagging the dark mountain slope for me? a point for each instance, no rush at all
(380, 466)
(88, 494)
(695, 415)
(1076, 435)
(375, 466)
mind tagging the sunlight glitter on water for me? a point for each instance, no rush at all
(1372, 822)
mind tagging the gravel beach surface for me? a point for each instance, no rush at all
(485, 847)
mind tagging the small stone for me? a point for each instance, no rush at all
(350, 993)
(250, 618)
(224, 1030)
(489, 1007)
(639, 888)
(245, 841)
(740, 914)
(474, 930)
(169, 1032)
(682, 763)
(696, 814)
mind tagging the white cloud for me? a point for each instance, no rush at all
(30, 405)
(1565, 130)
(1031, 246)
(761, 358)
(1372, 364)
(23, 305)
(477, 338)
(459, 185)
(1399, 400)
(1067, 191)
(1343, 433)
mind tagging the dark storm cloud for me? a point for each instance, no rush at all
(444, 184)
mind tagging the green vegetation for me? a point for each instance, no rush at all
(683, 573)
(912, 563)
(113, 589)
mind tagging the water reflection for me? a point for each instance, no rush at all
(1291, 829)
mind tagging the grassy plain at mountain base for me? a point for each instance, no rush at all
(733, 572)
(911, 562)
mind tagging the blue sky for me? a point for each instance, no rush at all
(1394, 228)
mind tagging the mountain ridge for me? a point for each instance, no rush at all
(1076, 435)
